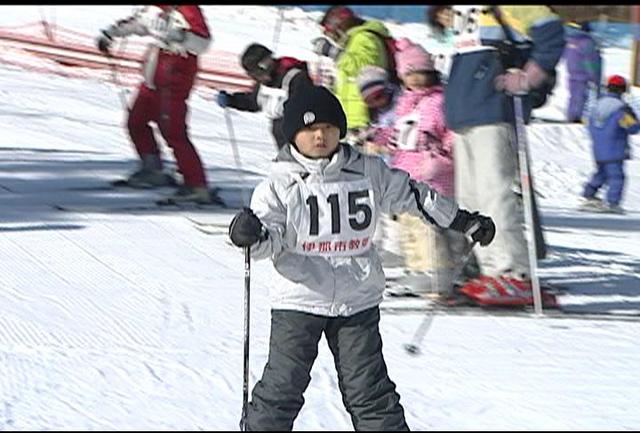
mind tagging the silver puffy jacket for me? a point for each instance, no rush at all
(320, 216)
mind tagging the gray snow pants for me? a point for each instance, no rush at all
(367, 392)
(485, 169)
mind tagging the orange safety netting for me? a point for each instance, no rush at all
(72, 53)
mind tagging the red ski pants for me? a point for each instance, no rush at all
(169, 111)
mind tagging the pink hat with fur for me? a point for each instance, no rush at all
(412, 57)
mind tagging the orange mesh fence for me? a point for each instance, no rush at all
(76, 53)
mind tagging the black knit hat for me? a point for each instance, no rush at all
(253, 55)
(313, 104)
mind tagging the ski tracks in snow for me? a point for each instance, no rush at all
(114, 322)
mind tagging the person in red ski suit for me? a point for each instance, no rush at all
(170, 65)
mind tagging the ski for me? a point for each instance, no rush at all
(120, 184)
(399, 297)
(211, 224)
(212, 230)
(94, 188)
(80, 208)
(169, 202)
(465, 306)
(166, 203)
(428, 307)
(543, 120)
(201, 223)
(143, 207)
(597, 210)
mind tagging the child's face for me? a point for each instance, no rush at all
(445, 17)
(378, 99)
(317, 141)
(415, 80)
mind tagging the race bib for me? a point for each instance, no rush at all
(406, 128)
(335, 219)
(154, 19)
(466, 28)
(271, 101)
(442, 62)
(159, 23)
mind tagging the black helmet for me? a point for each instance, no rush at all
(253, 56)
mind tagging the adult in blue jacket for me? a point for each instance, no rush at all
(610, 123)
(479, 109)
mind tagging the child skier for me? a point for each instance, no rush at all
(423, 148)
(610, 123)
(381, 95)
(181, 34)
(276, 79)
(314, 216)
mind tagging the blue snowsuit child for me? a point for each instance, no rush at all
(610, 124)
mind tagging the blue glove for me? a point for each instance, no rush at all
(222, 99)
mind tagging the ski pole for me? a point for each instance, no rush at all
(236, 155)
(276, 31)
(523, 159)
(114, 77)
(413, 348)
(45, 25)
(318, 76)
(247, 306)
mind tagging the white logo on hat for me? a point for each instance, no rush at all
(308, 117)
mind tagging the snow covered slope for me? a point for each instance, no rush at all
(114, 319)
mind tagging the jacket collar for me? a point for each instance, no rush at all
(289, 160)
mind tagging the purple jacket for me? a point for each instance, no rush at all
(582, 55)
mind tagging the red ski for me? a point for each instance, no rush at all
(503, 291)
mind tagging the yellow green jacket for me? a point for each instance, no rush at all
(363, 48)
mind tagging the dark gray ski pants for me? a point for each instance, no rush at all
(367, 392)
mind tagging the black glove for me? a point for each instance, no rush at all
(481, 228)
(324, 47)
(104, 42)
(246, 229)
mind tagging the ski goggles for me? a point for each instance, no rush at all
(263, 67)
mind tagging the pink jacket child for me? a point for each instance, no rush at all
(422, 141)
